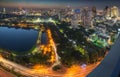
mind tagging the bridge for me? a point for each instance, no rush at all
(110, 66)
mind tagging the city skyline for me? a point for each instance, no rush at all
(59, 3)
(59, 38)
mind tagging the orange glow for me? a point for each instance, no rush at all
(49, 47)
(0, 56)
(72, 70)
(77, 71)
(40, 69)
(52, 58)
(38, 66)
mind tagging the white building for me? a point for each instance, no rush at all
(114, 11)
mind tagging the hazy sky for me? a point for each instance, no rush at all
(60, 3)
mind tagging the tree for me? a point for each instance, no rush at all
(57, 67)
(93, 57)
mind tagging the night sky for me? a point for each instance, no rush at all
(60, 3)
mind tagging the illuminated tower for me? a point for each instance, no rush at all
(111, 12)
(114, 11)
(4, 10)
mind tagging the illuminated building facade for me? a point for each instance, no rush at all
(111, 12)
(4, 10)
(114, 11)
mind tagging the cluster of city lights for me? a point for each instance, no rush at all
(49, 48)
(38, 20)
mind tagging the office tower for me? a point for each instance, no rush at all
(114, 11)
(94, 12)
(4, 10)
(86, 17)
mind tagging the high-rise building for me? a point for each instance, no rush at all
(94, 11)
(86, 17)
(4, 10)
(111, 12)
(114, 11)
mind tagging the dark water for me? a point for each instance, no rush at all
(44, 38)
(17, 39)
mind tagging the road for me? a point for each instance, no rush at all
(75, 71)
(4, 73)
(18, 68)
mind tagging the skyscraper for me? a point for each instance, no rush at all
(114, 11)
(111, 12)
(94, 12)
(84, 16)
(4, 10)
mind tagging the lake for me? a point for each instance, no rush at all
(20, 40)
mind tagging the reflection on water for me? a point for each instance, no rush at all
(44, 38)
(17, 39)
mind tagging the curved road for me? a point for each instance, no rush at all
(82, 72)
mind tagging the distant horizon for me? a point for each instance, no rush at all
(99, 4)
